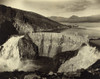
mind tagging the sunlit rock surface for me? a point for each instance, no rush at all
(46, 53)
(87, 56)
(11, 54)
(49, 44)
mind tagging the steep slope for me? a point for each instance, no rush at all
(36, 21)
(14, 21)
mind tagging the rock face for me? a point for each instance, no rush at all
(9, 54)
(20, 53)
(50, 44)
(14, 52)
(62, 57)
(86, 56)
(27, 49)
(23, 55)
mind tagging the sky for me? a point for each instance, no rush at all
(62, 8)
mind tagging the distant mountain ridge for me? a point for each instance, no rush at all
(75, 19)
(58, 19)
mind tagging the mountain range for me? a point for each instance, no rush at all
(76, 19)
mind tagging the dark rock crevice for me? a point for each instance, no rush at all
(6, 30)
(27, 49)
(60, 58)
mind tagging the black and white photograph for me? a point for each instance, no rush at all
(49, 39)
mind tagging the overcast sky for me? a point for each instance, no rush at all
(64, 8)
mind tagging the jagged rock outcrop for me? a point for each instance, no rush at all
(20, 53)
(62, 57)
(50, 44)
(86, 57)
(27, 49)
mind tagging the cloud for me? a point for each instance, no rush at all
(79, 6)
(56, 7)
(60, 8)
(2, 1)
(74, 6)
(70, 6)
(98, 1)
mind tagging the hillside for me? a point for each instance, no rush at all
(35, 20)
(14, 21)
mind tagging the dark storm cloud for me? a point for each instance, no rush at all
(3, 1)
(74, 6)
(80, 6)
(98, 1)
(71, 6)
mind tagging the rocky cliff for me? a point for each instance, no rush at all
(43, 52)
(14, 21)
(49, 44)
(15, 52)
(86, 57)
